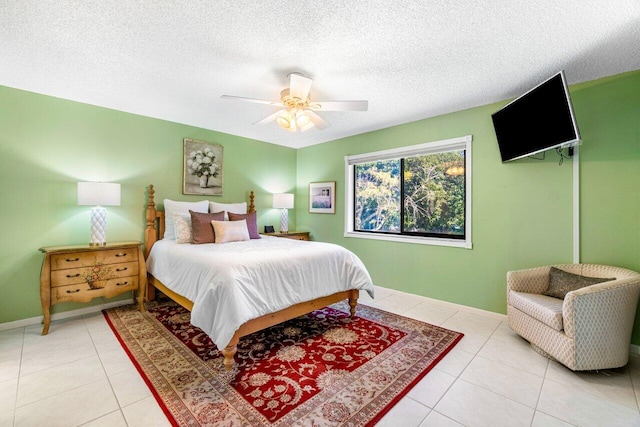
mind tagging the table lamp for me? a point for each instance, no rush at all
(98, 194)
(283, 201)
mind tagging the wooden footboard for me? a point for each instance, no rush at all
(155, 231)
(265, 321)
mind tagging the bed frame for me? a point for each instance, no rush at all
(155, 231)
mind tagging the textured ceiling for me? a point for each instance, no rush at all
(410, 59)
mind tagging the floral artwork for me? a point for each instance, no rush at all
(202, 168)
(97, 274)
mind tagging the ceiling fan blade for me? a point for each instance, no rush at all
(340, 105)
(317, 121)
(256, 101)
(269, 118)
(299, 85)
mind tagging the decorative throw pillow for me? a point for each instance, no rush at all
(201, 229)
(172, 207)
(182, 223)
(238, 208)
(230, 231)
(562, 282)
(252, 222)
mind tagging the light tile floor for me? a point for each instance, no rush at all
(80, 375)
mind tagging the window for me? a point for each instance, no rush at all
(419, 194)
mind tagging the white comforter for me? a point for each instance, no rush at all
(232, 283)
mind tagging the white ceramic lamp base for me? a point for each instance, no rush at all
(284, 221)
(98, 226)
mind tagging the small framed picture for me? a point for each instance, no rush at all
(322, 197)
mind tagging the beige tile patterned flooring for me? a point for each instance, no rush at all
(79, 375)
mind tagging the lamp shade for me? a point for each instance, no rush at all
(283, 201)
(98, 194)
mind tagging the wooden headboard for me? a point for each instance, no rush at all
(155, 221)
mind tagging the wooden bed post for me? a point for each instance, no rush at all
(252, 206)
(229, 352)
(353, 301)
(150, 237)
(151, 234)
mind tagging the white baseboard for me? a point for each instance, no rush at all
(64, 315)
(453, 306)
(472, 310)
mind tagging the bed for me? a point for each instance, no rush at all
(235, 289)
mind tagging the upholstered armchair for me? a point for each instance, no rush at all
(587, 330)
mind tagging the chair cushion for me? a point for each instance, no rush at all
(562, 282)
(547, 310)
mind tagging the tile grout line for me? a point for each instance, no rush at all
(544, 378)
(485, 388)
(633, 385)
(446, 416)
(457, 377)
(42, 370)
(120, 407)
(115, 396)
(15, 400)
(419, 403)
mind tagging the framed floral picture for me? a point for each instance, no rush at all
(202, 168)
(322, 197)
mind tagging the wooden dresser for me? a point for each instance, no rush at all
(295, 235)
(80, 273)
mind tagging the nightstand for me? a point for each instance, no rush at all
(81, 273)
(295, 235)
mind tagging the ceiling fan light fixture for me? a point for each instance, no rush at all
(284, 120)
(297, 111)
(302, 120)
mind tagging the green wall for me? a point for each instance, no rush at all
(48, 144)
(521, 211)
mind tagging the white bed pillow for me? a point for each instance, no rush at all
(182, 226)
(230, 231)
(236, 208)
(172, 207)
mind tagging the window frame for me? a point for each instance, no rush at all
(453, 144)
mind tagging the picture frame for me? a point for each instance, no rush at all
(322, 197)
(202, 168)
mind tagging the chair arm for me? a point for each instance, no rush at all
(532, 280)
(608, 307)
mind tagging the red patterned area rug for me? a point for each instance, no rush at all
(321, 369)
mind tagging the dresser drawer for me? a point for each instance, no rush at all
(97, 272)
(83, 292)
(90, 258)
(298, 237)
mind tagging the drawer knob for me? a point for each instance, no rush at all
(73, 292)
(122, 283)
(73, 275)
(122, 269)
(121, 254)
(72, 259)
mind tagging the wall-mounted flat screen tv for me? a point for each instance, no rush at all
(541, 119)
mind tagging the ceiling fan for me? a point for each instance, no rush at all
(297, 112)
